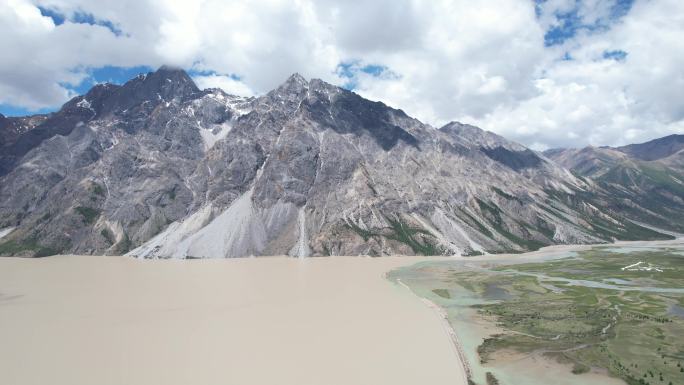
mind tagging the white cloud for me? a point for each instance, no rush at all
(226, 83)
(473, 56)
(40, 60)
(478, 62)
(594, 100)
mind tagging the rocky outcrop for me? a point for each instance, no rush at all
(644, 182)
(655, 149)
(158, 168)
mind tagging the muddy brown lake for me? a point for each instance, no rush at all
(114, 320)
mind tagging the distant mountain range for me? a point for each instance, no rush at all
(158, 168)
(644, 182)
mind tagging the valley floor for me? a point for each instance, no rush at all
(115, 320)
(336, 320)
(605, 314)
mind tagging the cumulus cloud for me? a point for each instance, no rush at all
(546, 73)
(597, 99)
(42, 61)
(226, 83)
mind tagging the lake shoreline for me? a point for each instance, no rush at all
(162, 302)
(448, 329)
(464, 318)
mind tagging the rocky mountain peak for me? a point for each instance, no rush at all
(166, 83)
(297, 88)
(496, 147)
(296, 78)
(324, 87)
(655, 149)
(294, 87)
(4, 122)
(157, 168)
(477, 136)
(177, 76)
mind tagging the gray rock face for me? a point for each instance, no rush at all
(158, 168)
(644, 182)
(655, 149)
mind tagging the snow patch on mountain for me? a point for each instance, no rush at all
(4, 232)
(84, 103)
(214, 134)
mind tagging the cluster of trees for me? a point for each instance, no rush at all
(640, 316)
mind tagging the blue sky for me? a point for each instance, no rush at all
(111, 74)
(571, 21)
(78, 17)
(542, 72)
(106, 74)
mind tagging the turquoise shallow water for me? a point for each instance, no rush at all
(631, 249)
(676, 310)
(458, 308)
(423, 277)
(472, 332)
(600, 285)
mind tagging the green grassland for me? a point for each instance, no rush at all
(630, 333)
(600, 263)
(28, 246)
